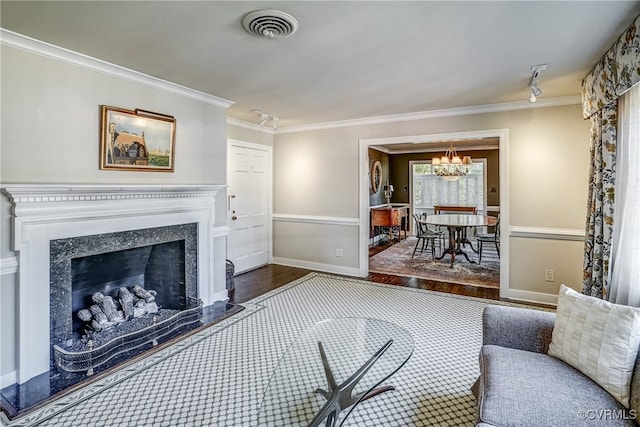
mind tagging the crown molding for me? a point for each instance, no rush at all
(426, 149)
(19, 41)
(449, 112)
(253, 126)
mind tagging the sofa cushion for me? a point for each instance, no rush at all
(522, 388)
(598, 338)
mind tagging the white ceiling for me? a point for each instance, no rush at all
(349, 59)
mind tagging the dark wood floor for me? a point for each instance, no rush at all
(257, 282)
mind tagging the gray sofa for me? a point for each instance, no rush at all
(520, 385)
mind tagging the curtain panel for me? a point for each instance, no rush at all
(599, 228)
(624, 267)
(612, 76)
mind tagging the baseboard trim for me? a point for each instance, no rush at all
(309, 265)
(529, 296)
(8, 379)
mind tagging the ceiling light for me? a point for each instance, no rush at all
(264, 118)
(450, 166)
(533, 83)
(535, 89)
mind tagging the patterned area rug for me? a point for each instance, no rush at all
(218, 376)
(397, 260)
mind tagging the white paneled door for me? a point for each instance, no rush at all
(249, 204)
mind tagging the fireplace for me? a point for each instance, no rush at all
(61, 231)
(160, 260)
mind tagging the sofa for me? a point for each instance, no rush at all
(521, 385)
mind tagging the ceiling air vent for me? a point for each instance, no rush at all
(271, 24)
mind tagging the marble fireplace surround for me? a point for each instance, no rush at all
(42, 213)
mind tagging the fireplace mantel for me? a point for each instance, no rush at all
(42, 213)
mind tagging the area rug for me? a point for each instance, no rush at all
(397, 260)
(218, 376)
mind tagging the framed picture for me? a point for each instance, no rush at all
(376, 176)
(137, 140)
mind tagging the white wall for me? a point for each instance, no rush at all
(50, 134)
(316, 174)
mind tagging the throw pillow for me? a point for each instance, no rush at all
(598, 338)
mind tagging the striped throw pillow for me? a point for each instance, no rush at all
(598, 338)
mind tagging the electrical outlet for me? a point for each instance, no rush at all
(549, 276)
(339, 252)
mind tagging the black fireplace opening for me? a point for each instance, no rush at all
(159, 267)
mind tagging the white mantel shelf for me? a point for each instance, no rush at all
(45, 212)
(42, 193)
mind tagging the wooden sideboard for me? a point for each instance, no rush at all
(391, 217)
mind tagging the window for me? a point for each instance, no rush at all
(429, 189)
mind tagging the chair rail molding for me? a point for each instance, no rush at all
(547, 233)
(315, 219)
(8, 265)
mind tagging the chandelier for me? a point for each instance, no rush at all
(450, 166)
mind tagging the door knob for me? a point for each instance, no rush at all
(234, 217)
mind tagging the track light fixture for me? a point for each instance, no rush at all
(264, 119)
(536, 70)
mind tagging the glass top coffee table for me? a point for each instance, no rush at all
(334, 365)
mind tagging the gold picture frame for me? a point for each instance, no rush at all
(136, 140)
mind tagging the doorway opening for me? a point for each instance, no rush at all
(417, 188)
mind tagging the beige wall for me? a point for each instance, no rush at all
(50, 134)
(316, 173)
(247, 134)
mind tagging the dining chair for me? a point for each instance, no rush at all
(489, 238)
(441, 231)
(424, 235)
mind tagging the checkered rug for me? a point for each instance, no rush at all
(218, 376)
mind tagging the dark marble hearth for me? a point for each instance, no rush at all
(18, 400)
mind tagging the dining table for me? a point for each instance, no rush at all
(456, 225)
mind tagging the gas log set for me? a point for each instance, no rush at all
(122, 325)
(106, 312)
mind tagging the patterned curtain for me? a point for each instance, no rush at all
(612, 76)
(600, 203)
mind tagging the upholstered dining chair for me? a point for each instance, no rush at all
(425, 236)
(489, 238)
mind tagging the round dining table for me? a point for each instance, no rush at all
(456, 225)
